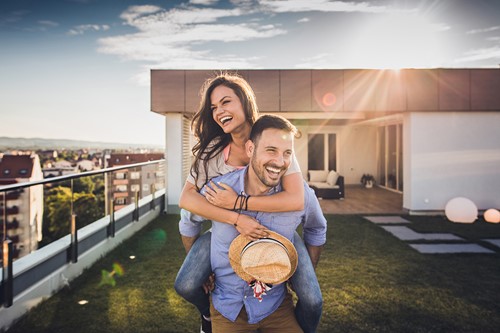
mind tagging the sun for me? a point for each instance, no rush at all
(397, 40)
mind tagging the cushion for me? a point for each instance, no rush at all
(318, 175)
(323, 185)
(332, 177)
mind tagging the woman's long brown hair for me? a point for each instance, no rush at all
(206, 130)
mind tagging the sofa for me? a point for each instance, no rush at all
(326, 184)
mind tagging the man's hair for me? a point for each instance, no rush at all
(271, 121)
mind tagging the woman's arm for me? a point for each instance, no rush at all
(290, 199)
(196, 203)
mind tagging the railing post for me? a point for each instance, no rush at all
(136, 210)
(74, 240)
(152, 203)
(111, 227)
(7, 276)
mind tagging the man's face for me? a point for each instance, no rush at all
(271, 156)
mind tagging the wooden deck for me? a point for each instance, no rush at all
(360, 200)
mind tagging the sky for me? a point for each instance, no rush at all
(80, 69)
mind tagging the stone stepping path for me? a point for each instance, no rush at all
(450, 248)
(406, 234)
(495, 242)
(386, 219)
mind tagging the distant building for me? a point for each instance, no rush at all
(85, 165)
(47, 154)
(123, 184)
(21, 210)
(59, 168)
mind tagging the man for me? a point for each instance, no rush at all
(234, 307)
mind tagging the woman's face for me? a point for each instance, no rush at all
(227, 110)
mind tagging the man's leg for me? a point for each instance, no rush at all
(194, 272)
(305, 284)
(282, 320)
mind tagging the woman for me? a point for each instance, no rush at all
(222, 126)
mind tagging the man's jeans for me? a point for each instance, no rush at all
(196, 269)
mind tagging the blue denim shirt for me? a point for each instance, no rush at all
(231, 293)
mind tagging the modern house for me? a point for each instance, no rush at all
(431, 134)
(21, 211)
(124, 184)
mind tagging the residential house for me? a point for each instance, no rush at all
(22, 210)
(431, 134)
(59, 168)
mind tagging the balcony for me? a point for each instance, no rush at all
(38, 275)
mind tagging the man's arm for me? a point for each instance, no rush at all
(314, 253)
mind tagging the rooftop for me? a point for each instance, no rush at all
(370, 280)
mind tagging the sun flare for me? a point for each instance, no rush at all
(398, 41)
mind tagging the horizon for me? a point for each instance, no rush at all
(80, 69)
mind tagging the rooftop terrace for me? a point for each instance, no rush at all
(371, 281)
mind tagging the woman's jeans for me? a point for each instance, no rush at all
(196, 269)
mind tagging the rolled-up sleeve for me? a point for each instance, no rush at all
(314, 228)
(190, 224)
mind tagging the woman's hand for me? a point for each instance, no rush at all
(209, 285)
(224, 198)
(250, 227)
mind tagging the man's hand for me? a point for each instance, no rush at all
(224, 197)
(251, 228)
(314, 253)
(188, 242)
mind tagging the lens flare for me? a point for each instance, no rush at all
(328, 99)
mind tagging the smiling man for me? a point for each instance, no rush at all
(236, 304)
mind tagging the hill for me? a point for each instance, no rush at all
(41, 143)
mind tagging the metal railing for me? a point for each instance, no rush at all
(20, 276)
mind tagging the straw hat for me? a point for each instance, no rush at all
(270, 260)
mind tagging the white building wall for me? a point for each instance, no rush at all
(173, 158)
(358, 151)
(451, 154)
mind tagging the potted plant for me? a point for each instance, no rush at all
(367, 180)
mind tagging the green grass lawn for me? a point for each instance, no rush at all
(371, 282)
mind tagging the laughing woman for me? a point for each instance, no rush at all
(222, 125)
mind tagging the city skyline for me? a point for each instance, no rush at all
(79, 69)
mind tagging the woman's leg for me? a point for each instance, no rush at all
(305, 284)
(194, 272)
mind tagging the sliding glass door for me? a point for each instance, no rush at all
(390, 156)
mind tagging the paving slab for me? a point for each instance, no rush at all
(386, 219)
(495, 242)
(406, 234)
(450, 248)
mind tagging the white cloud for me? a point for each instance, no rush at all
(319, 61)
(203, 2)
(322, 6)
(172, 38)
(303, 20)
(47, 23)
(480, 54)
(81, 29)
(478, 31)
